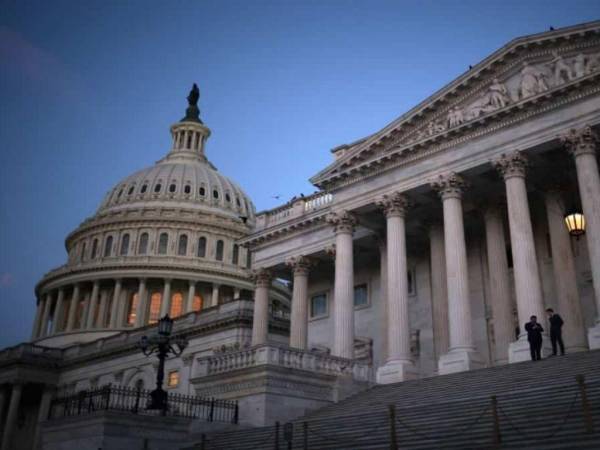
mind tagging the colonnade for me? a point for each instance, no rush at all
(116, 303)
(452, 319)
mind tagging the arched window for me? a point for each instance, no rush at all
(187, 189)
(157, 187)
(163, 242)
(202, 247)
(143, 189)
(143, 245)
(82, 256)
(131, 189)
(202, 191)
(94, 249)
(227, 197)
(172, 188)
(219, 252)
(120, 193)
(235, 257)
(108, 246)
(197, 304)
(132, 308)
(139, 384)
(182, 247)
(215, 194)
(155, 301)
(124, 245)
(176, 305)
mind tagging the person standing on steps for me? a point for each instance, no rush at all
(556, 324)
(534, 336)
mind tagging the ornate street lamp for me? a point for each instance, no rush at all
(575, 221)
(163, 345)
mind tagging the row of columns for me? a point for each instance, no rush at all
(54, 304)
(454, 341)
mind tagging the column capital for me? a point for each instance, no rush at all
(261, 277)
(330, 250)
(343, 221)
(511, 165)
(300, 265)
(394, 205)
(579, 141)
(450, 185)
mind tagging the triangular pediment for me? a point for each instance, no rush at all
(527, 70)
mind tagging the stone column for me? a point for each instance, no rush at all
(38, 319)
(565, 275)
(439, 289)
(583, 144)
(59, 312)
(214, 300)
(165, 305)
(42, 414)
(100, 323)
(383, 289)
(45, 316)
(140, 314)
(114, 312)
(189, 306)
(11, 417)
(73, 308)
(91, 306)
(528, 285)
(260, 322)
(343, 292)
(461, 355)
(299, 320)
(500, 291)
(399, 365)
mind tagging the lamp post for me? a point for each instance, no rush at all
(163, 345)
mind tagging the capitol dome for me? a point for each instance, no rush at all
(163, 241)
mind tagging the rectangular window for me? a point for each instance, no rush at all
(173, 379)
(318, 305)
(361, 297)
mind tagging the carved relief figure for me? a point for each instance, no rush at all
(533, 81)
(562, 71)
(579, 65)
(498, 94)
(593, 63)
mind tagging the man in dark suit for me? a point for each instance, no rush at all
(534, 336)
(556, 324)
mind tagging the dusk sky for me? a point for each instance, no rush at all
(88, 90)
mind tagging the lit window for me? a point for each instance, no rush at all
(318, 305)
(124, 245)
(202, 247)
(360, 295)
(157, 187)
(215, 194)
(163, 241)
(143, 245)
(144, 188)
(172, 188)
(108, 246)
(176, 305)
(132, 308)
(155, 301)
(202, 191)
(236, 254)
(182, 247)
(173, 379)
(219, 252)
(187, 189)
(197, 305)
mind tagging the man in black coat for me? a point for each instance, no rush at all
(534, 336)
(556, 324)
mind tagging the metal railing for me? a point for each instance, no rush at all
(135, 401)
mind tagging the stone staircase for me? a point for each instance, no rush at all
(539, 406)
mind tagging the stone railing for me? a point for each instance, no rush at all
(293, 209)
(283, 356)
(30, 351)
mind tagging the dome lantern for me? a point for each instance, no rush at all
(190, 134)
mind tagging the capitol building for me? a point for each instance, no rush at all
(425, 250)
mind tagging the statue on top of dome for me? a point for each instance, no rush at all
(192, 113)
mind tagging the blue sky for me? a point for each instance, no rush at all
(88, 90)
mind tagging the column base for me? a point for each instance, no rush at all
(460, 360)
(396, 372)
(518, 351)
(594, 337)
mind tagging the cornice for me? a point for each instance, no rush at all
(286, 229)
(499, 64)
